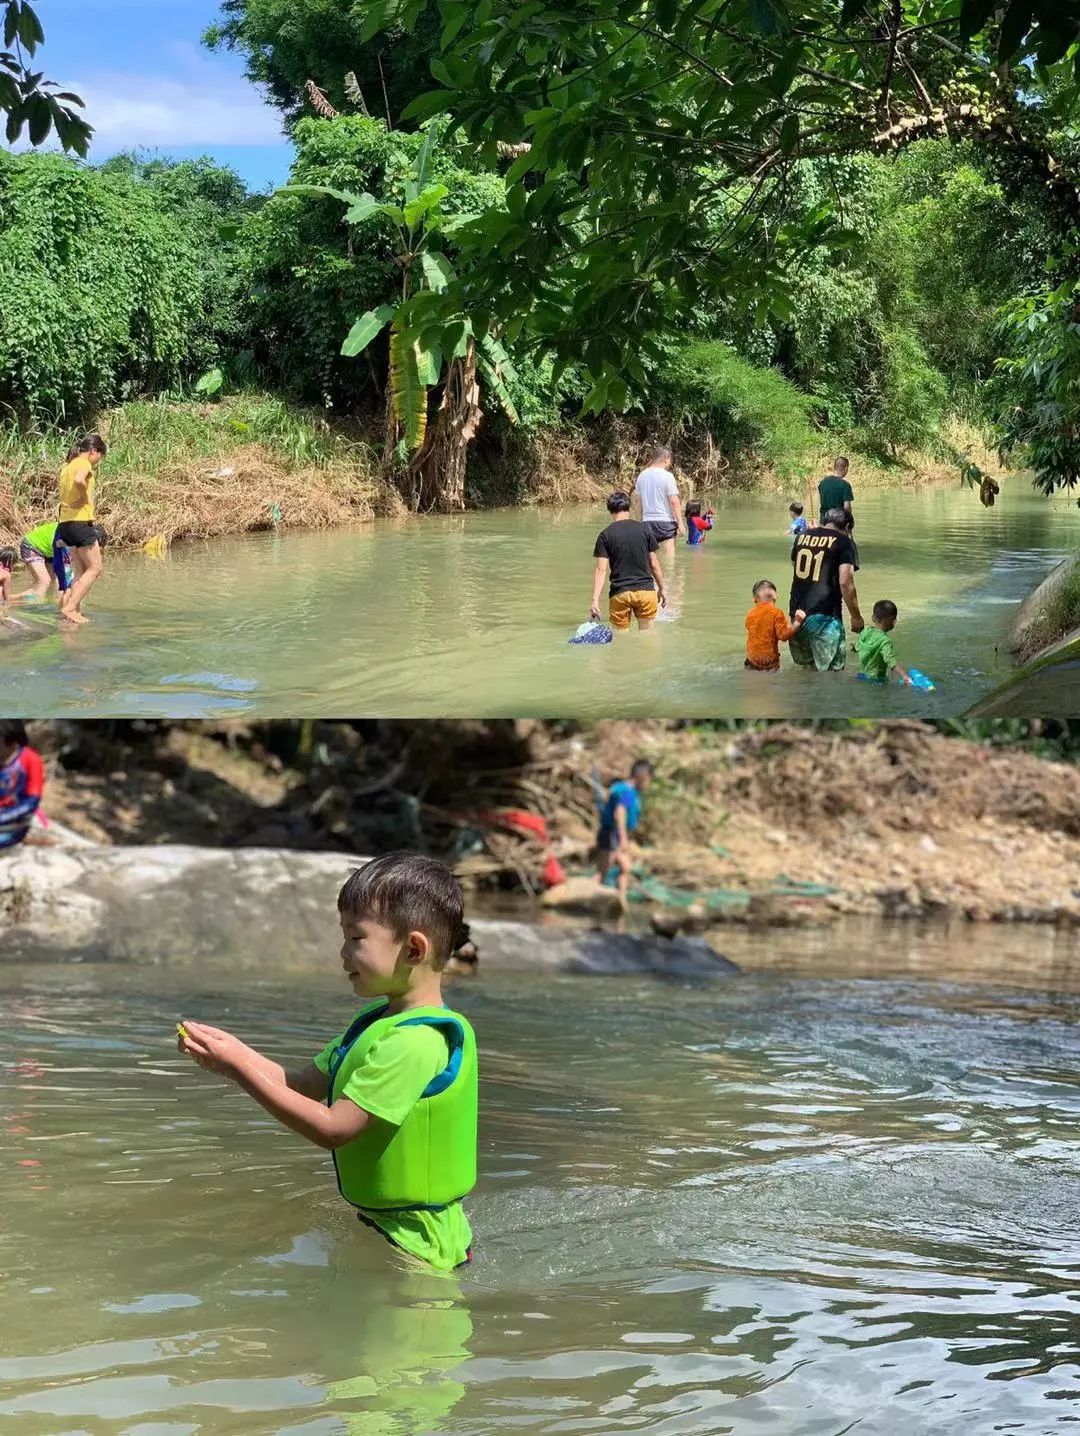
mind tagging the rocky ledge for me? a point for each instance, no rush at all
(76, 901)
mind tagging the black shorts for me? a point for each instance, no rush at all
(77, 535)
(662, 529)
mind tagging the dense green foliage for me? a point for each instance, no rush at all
(113, 280)
(286, 45)
(770, 217)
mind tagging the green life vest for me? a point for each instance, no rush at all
(430, 1160)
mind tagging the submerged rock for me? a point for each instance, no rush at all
(175, 903)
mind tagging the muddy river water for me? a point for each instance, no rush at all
(839, 1193)
(464, 615)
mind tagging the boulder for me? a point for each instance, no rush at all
(172, 903)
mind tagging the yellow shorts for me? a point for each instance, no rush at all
(640, 603)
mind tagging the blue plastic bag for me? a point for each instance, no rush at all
(592, 632)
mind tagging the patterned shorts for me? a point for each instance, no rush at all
(820, 643)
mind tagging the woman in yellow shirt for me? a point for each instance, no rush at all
(76, 529)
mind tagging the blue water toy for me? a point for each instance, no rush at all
(920, 680)
(592, 632)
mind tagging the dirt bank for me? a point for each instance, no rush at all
(195, 471)
(788, 823)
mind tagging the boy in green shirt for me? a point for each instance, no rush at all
(877, 656)
(393, 1097)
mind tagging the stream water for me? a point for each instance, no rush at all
(786, 1202)
(457, 616)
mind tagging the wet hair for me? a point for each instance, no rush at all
(88, 444)
(839, 461)
(618, 502)
(795, 508)
(13, 731)
(763, 583)
(692, 509)
(836, 517)
(884, 608)
(409, 893)
(641, 767)
(7, 558)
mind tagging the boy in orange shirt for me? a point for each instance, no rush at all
(767, 627)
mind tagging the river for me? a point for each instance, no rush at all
(457, 616)
(805, 1199)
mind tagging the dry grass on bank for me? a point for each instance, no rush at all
(238, 491)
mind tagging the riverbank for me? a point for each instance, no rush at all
(1045, 641)
(251, 462)
(765, 826)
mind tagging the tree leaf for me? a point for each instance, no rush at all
(408, 396)
(437, 270)
(365, 329)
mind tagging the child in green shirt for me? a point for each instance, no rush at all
(877, 656)
(394, 1096)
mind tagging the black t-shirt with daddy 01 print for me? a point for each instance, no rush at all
(626, 545)
(817, 556)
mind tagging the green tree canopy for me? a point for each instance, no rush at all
(287, 43)
(662, 139)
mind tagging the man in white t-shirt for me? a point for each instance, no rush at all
(658, 495)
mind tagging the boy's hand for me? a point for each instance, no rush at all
(213, 1049)
(800, 615)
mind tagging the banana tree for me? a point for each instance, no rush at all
(438, 352)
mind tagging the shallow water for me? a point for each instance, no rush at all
(470, 614)
(781, 1203)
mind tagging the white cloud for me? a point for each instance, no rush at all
(204, 107)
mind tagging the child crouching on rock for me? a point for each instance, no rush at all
(394, 1096)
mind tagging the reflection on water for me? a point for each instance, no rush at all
(776, 1203)
(453, 615)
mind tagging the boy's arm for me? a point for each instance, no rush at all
(786, 630)
(266, 1081)
(894, 666)
(599, 579)
(310, 1081)
(658, 574)
(620, 826)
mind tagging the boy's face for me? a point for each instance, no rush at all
(378, 962)
(766, 594)
(886, 624)
(642, 780)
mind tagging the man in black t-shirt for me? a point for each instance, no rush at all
(626, 559)
(823, 582)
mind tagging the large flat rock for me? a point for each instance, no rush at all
(177, 904)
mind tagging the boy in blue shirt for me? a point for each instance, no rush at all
(619, 818)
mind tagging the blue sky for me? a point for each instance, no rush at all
(148, 83)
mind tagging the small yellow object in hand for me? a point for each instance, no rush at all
(181, 1030)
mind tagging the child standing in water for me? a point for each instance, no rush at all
(877, 656)
(767, 627)
(36, 552)
(394, 1096)
(798, 524)
(698, 524)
